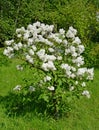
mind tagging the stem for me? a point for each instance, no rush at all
(53, 95)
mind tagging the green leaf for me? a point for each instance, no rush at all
(44, 97)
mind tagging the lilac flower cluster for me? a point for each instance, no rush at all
(54, 51)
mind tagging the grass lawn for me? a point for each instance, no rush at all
(85, 116)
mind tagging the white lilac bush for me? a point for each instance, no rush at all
(57, 55)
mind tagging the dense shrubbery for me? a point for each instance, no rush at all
(92, 55)
(64, 13)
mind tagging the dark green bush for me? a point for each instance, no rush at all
(7, 29)
(63, 13)
(92, 55)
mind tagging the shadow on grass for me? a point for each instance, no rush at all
(20, 104)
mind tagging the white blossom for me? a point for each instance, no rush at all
(19, 45)
(51, 88)
(86, 93)
(65, 42)
(77, 40)
(76, 82)
(31, 88)
(31, 52)
(79, 61)
(50, 57)
(20, 30)
(65, 66)
(71, 32)
(72, 49)
(34, 48)
(51, 49)
(58, 40)
(67, 51)
(48, 42)
(19, 67)
(90, 73)
(59, 58)
(71, 88)
(72, 75)
(41, 52)
(15, 47)
(80, 49)
(30, 41)
(29, 27)
(17, 88)
(37, 24)
(73, 68)
(74, 54)
(48, 66)
(62, 31)
(81, 71)
(8, 43)
(26, 36)
(29, 59)
(47, 78)
(8, 51)
(74, 31)
(19, 35)
(83, 84)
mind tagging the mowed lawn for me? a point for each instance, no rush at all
(84, 116)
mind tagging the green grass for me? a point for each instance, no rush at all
(85, 115)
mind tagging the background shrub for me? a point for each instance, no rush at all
(79, 13)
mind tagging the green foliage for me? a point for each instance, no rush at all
(3, 59)
(81, 14)
(7, 29)
(95, 2)
(92, 55)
